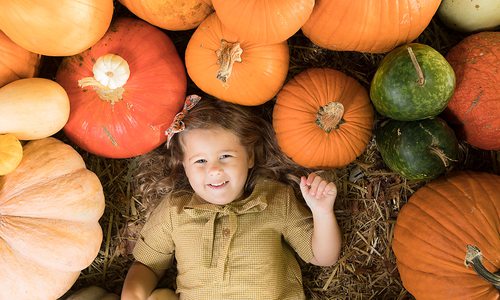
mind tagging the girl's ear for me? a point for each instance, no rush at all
(251, 159)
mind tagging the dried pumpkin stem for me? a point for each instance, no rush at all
(227, 55)
(473, 258)
(421, 78)
(329, 116)
(440, 153)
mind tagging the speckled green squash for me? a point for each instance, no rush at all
(421, 149)
(398, 92)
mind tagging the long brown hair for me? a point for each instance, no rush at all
(161, 172)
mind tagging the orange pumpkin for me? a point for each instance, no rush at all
(171, 14)
(323, 118)
(474, 108)
(124, 91)
(268, 21)
(368, 26)
(225, 66)
(433, 231)
(50, 207)
(16, 62)
(55, 28)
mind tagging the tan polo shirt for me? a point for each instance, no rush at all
(242, 250)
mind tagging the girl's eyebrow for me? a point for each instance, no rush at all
(201, 154)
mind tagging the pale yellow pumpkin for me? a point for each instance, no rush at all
(49, 231)
(33, 108)
(11, 153)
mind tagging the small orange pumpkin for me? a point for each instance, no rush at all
(11, 153)
(323, 118)
(474, 108)
(55, 28)
(170, 14)
(438, 226)
(268, 21)
(15, 61)
(368, 26)
(50, 206)
(232, 69)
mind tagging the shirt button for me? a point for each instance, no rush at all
(225, 232)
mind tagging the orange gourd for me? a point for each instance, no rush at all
(124, 91)
(374, 26)
(433, 231)
(268, 21)
(49, 211)
(232, 69)
(11, 153)
(323, 118)
(474, 108)
(171, 14)
(55, 28)
(16, 62)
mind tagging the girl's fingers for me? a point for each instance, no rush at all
(330, 189)
(314, 185)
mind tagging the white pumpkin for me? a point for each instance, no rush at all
(470, 15)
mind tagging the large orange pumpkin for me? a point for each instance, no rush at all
(474, 108)
(323, 118)
(49, 211)
(374, 26)
(268, 21)
(55, 28)
(124, 91)
(171, 14)
(433, 231)
(232, 69)
(15, 61)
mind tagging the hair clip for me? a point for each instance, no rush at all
(177, 124)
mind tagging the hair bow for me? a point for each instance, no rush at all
(177, 124)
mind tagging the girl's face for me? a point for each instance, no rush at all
(216, 164)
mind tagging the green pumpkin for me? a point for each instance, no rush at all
(422, 149)
(400, 91)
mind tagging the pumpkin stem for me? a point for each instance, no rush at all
(473, 258)
(111, 72)
(329, 116)
(227, 55)
(421, 78)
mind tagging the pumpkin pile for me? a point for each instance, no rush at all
(121, 79)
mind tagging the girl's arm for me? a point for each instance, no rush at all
(140, 282)
(327, 239)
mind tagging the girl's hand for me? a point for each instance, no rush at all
(319, 194)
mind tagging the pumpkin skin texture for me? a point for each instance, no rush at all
(171, 14)
(375, 26)
(396, 91)
(33, 108)
(11, 153)
(16, 62)
(422, 149)
(55, 28)
(474, 109)
(268, 21)
(433, 229)
(128, 120)
(323, 118)
(49, 211)
(469, 16)
(248, 73)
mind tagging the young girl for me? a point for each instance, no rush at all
(231, 217)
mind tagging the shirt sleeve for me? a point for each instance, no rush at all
(155, 246)
(298, 227)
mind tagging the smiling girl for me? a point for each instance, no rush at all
(230, 216)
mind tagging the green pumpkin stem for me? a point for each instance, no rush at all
(329, 116)
(473, 258)
(227, 55)
(421, 78)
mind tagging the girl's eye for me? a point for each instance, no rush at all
(200, 161)
(225, 156)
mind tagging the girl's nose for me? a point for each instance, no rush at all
(215, 169)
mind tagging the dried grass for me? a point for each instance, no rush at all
(369, 199)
